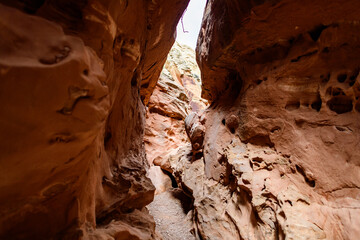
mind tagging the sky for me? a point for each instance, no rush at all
(192, 22)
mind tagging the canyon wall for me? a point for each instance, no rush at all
(176, 95)
(75, 76)
(281, 137)
(275, 155)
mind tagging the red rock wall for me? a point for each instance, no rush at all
(73, 74)
(281, 156)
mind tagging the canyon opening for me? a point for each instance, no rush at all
(110, 129)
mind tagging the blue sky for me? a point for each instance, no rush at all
(192, 22)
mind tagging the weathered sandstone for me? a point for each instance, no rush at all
(176, 95)
(280, 156)
(73, 74)
(97, 119)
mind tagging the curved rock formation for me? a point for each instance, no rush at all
(281, 157)
(73, 74)
(275, 155)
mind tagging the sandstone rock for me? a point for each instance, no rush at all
(195, 130)
(275, 155)
(280, 157)
(176, 95)
(73, 74)
(176, 98)
(183, 68)
(161, 181)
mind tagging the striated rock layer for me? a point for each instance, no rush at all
(281, 151)
(73, 73)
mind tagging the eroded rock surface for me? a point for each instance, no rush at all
(73, 74)
(176, 95)
(275, 156)
(280, 150)
(170, 214)
(175, 98)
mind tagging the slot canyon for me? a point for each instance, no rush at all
(110, 129)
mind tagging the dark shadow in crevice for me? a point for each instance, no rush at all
(316, 32)
(309, 181)
(340, 104)
(187, 201)
(172, 178)
(316, 105)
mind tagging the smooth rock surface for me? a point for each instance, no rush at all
(74, 79)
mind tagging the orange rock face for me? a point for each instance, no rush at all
(281, 157)
(176, 94)
(72, 76)
(275, 155)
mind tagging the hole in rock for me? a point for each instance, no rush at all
(186, 200)
(316, 32)
(341, 78)
(340, 104)
(325, 50)
(316, 105)
(173, 180)
(341, 129)
(352, 78)
(134, 80)
(198, 155)
(107, 137)
(309, 181)
(334, 92)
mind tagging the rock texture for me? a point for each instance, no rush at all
(171, 220)
(280, 146)
(73, 74)
(176, 95)
(275, 155)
